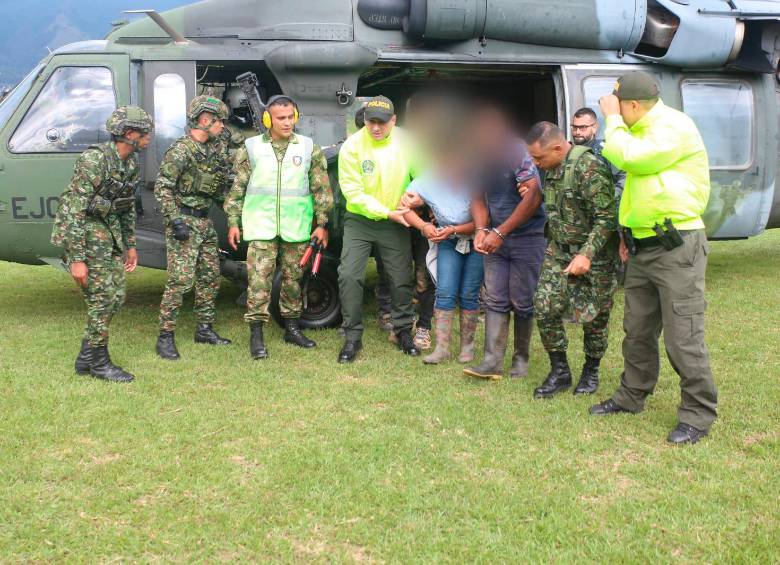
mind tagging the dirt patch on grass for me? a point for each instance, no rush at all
(760, 437)
(104, 459)
(318, 547)
(243, 462)
(152, 498)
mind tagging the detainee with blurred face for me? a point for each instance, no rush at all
(510, 235)
(446, 188)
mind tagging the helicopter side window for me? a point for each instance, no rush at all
(69, 113)
(594, 88)
(723, 112)
(170, 112)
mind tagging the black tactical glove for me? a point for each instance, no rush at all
(181, 231)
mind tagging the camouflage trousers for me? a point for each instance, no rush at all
(261, 260)
(105, 290)
(193, 263)
(585, 299)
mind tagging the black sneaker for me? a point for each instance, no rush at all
(607, 408)
(684, 433)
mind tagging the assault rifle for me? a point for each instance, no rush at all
(249, 84)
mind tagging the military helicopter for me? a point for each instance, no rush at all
(717, 60)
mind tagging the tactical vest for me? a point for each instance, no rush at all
(566, 191)
(211, 173)
(278, 202)
(115, 194)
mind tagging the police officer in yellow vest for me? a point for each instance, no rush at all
(281, 187)
(665, 247)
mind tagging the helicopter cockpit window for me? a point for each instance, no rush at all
(69, 114)
(170, 112)
(723, 112)
(12, 100)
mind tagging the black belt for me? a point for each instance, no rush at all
(188, 211)
(655, 241)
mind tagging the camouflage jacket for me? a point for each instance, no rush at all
(582, 213)
(235, 137)
(319, 182)
(93, 170)
(192, 174)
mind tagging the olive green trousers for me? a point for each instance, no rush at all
(664, 290)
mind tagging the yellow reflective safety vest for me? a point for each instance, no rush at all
(668, 174)
(278, 202)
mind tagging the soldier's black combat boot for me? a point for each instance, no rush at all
(524, 328)
(559, 377)
(256, 341)
(589, 379)
(204, 333)
(406, 342)
(294, 335)
(102, 367)
(84, 359)
(496, 334)
(166, 346)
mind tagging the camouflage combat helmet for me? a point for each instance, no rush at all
(129, 117)
(206, 103)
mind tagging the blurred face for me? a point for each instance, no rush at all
(584, 129)
(547, 158)
(282, 120)
(378, 129)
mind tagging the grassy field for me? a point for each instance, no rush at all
(218, 458)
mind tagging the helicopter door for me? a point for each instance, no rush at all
(724, 109)
(167, 87)
(64, 113)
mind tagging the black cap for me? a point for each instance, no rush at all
(379, 108)
(636, 85)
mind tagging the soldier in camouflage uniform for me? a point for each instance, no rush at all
(95, 223)
(193, 175)
(578, 278)
(281, 186)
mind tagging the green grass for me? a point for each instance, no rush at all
(218, 458)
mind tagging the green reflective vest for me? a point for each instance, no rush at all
(278, 202)
(668, 174)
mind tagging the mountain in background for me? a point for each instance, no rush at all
(28, 28)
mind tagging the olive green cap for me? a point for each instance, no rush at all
(636, 85)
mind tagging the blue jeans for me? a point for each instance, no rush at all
(458, 277)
